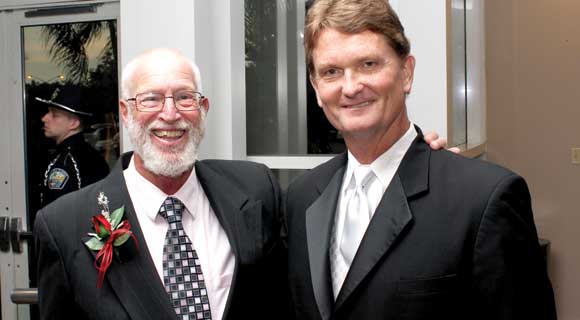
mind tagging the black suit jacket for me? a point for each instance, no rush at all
(244, 196)
(452, 238)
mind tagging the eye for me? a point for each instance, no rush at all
(149, 100)
(185, 98)
(184, 95)
(151, 97)
(330, 73)
(370, 64)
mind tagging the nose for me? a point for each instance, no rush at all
(352, 84)
(44, 117)
(169, 113)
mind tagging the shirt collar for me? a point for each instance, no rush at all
(393, 156)
(71, 140)
(155, 197)
(348, 175)
(382, 165)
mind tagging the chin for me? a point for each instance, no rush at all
(166, 161)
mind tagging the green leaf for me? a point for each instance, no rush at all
(94, 244)
(102, 232)
(116, 217)
(121, 239)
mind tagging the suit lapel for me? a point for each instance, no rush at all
(136, 281)
(319, 223)
(391, 217)
(388, 222)
(240, 218)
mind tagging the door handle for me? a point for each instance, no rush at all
(24, 296)
(4, 234)
(17, 234)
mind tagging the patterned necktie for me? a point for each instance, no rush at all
(182, 274)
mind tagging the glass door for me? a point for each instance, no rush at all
(54, 57)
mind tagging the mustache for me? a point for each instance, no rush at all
(160, 125)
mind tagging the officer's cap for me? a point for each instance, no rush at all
(68, 98)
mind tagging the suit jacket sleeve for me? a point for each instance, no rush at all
(509, 274)
(277, 261)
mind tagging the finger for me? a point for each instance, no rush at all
(431, 136)
(454, 150)
(435, 145)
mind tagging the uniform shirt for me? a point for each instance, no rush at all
(384, 169)
(201, 225)
(75, 165)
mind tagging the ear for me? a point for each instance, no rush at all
(315, 86)
(205, 104)
(408, 73)
(74, 123)
(124, 109)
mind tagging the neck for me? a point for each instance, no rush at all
(366, 148)
(169, 185)
(70, 133)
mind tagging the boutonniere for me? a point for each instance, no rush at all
(110, 233)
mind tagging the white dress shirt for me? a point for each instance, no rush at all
(384, 168)
(201, 225)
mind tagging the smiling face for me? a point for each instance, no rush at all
(361, 84)
(166, 141)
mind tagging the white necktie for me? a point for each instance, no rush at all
(358, 214)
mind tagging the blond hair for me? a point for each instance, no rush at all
(354, 16)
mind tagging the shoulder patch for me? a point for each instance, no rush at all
(57, 179)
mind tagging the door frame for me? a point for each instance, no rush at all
(14, 269)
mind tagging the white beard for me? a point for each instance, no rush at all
(167, 162)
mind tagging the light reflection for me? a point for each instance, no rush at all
(30, 77)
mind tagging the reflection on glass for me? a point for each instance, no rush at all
(458, 74)
(65, 55)
(282, 115)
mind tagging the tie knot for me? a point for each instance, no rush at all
(362, 174)
(171, 209)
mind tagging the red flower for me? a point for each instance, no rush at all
(105, 255)
(101, 225)
(110, 233)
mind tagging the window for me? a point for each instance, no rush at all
(82, 54)
(282, 115)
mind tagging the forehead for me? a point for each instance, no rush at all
(163, 73)
(59, 112)
(333, 45)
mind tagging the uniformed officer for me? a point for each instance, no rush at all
(76, 164)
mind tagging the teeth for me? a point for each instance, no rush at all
(168, 133)
(360, 105)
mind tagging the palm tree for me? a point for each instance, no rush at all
(67, 44)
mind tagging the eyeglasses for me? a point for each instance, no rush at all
(154, 102)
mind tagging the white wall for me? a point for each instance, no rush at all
(425, 23)
(220, 51)
(425, 26)
(476, 76)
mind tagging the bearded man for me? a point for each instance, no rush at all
(197, 239)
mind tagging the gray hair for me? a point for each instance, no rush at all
(131, 67)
